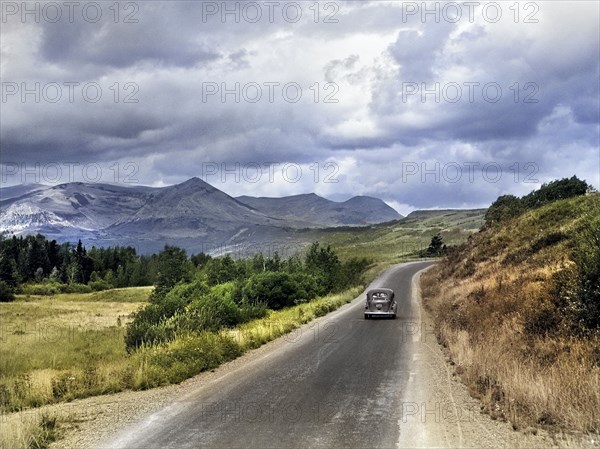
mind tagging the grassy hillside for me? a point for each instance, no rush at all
(517, 308)
(393, 242)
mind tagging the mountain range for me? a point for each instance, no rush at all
(193, 214)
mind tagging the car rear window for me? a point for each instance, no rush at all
(379, 296)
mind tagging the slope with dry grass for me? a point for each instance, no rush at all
(516, 314)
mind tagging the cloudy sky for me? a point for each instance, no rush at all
(424, 105)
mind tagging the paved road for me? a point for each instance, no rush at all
(338, 383)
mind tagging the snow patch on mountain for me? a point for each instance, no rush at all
(21, 217)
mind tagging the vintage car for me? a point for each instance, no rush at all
(380, 302)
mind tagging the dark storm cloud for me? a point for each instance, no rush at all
(170, 42)
(370, 53)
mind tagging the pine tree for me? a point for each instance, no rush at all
(8, 269)
(436, 247)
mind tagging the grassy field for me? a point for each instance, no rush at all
(43, 337)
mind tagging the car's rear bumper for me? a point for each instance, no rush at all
(391, 313)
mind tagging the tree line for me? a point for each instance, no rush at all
(34, 264)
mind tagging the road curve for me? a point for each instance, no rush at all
(338, 383)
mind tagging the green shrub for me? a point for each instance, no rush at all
(75, 288)
(227, 293)
(54, 288)
(279, 289)
(587, 260)
(182, 293)
(351, 272)
(7, 293)
(49, 288)
(504, 208)
(145, 329)
(209, 312)
(153, 323)
(509, 206)
(99, 285)
(192, 354)
(250, 311)
(556, 190)
(175, 300)
(577, 287)
(221, 270)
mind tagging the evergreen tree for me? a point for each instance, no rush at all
(121, 277)
(36, 256)
(436, 247)
(274, 263)
(8, 269)
(200, 259)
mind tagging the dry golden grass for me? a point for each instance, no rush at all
(565, 393)
(44, 338)
(484, 301)
(28, 430)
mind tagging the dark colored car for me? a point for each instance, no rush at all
(380, 302)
